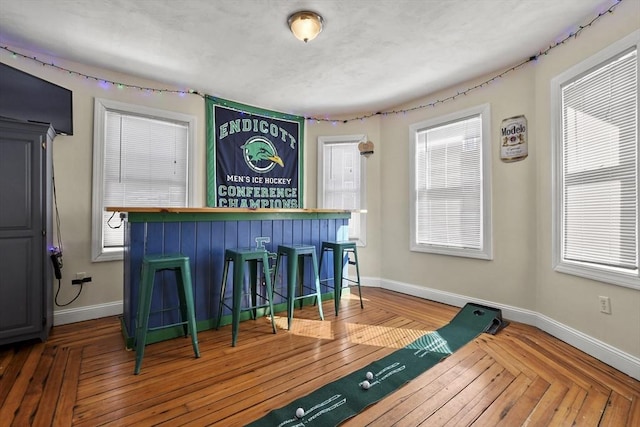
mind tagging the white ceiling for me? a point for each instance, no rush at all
(372, 55)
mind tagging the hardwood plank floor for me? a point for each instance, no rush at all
(83, 376)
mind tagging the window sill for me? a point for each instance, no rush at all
(109, 255)
(600, 275)
(441, 250)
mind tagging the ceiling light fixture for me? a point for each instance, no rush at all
(305, 25)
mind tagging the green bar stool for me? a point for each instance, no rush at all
(340, 251)
(151, 264)
(239, 256)
(296, 255)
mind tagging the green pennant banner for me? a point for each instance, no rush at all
(254, 157)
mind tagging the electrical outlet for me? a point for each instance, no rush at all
(605, 305)
(81, 278)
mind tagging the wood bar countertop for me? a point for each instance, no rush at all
(221, 210)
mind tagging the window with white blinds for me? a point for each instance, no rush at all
(341, 178)
(450, 211)
(141, 159)
(597, 164)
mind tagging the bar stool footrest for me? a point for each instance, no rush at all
(171, 325)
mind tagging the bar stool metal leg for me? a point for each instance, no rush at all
(269, 290)
(338, 259)
(239, 257)
(223, 289)
(296, 255)
(316, 275)
(355, 255)
(292, 278)
(144, 304)
(340, 250)
(238, 270)
(150, 266)
(185, 303)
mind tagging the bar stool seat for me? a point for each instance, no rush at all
(296, 255)
(240, 256)
(340, 250)
(152, 264)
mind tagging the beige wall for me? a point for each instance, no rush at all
(571, 300)
(520, 274)
(73, 165)
(509, 278)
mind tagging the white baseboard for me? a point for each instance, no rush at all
(73, 315)
(604, 352)
(608, 354)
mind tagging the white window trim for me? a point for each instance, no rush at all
(568, 267)
(322, 140)
(487, 247)
(101, 106)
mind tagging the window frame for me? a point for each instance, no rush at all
(577, 268)
(101, 107)
(486, 253)
(361, 239)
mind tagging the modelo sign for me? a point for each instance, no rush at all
(513, 139)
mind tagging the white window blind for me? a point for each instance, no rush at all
(449, 191)
(599, 183)
(342, 178)
(342, 181)
(145, 164)
(450, 184)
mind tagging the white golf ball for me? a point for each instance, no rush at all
(299, 413)
(365, 385)
(369, 375)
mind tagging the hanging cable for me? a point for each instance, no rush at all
(66, 304)
(58, 249)
(55, 204)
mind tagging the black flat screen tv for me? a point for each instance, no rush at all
(27, 97)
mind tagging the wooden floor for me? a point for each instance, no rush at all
(83, 376)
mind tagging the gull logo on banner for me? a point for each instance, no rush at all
(261, 155)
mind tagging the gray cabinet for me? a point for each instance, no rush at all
(26, 232)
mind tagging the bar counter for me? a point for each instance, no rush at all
(203, 234)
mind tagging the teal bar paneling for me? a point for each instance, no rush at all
(203, 238)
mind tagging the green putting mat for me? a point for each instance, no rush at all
(342, 399)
